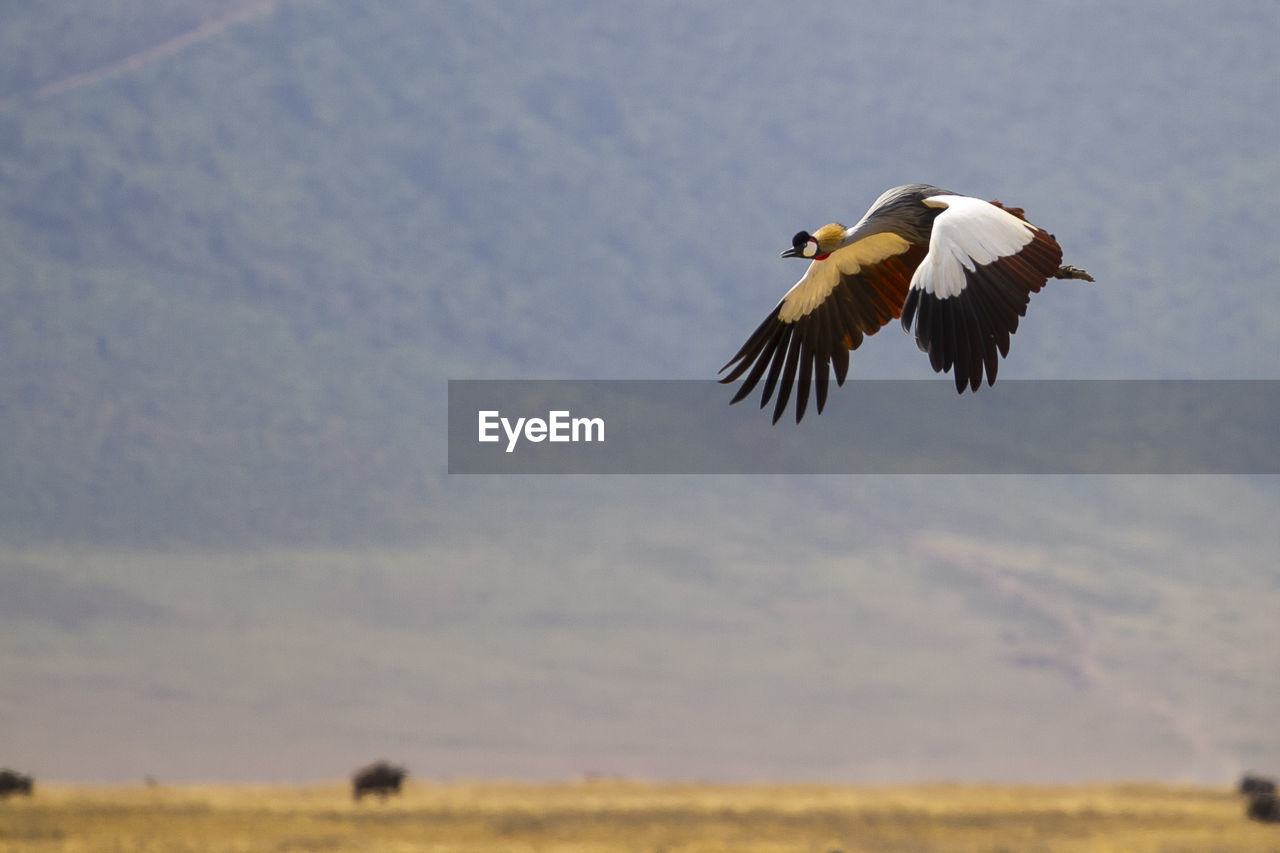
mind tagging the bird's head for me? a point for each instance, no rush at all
(817, 245)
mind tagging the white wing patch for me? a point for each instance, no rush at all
(968, 233)
(824, 276)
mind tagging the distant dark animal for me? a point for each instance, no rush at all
(381, 778)
(1264, 808)
(1252, 783)
(12, 782)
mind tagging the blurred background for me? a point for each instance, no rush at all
(244, 245)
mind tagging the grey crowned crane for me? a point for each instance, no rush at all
(961, 269)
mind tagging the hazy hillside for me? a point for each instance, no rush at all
(237, 276)
(242, 257)
(885, 629)
(851, 643)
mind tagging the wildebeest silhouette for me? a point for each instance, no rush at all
(1252, 783)
(1264, 808)
(380, 777)
(12, 782)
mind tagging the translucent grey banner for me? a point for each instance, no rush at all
(868, 427)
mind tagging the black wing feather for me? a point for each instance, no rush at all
(788, 379)
(980, 319)
(809, 348)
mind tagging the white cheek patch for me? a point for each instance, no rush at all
(968, 233)
(810, 249)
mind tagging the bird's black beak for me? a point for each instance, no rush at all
(798, 244)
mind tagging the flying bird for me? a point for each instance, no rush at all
(961, 269)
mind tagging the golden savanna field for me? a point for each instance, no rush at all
(603, 816)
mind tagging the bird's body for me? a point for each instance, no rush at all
(962, 269)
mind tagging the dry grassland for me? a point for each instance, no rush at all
(608, 816)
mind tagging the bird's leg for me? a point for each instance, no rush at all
(1072, 272)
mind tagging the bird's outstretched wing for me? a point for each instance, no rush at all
(966, 295)
(852, 292)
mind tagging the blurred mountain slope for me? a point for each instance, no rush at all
(237, 276)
